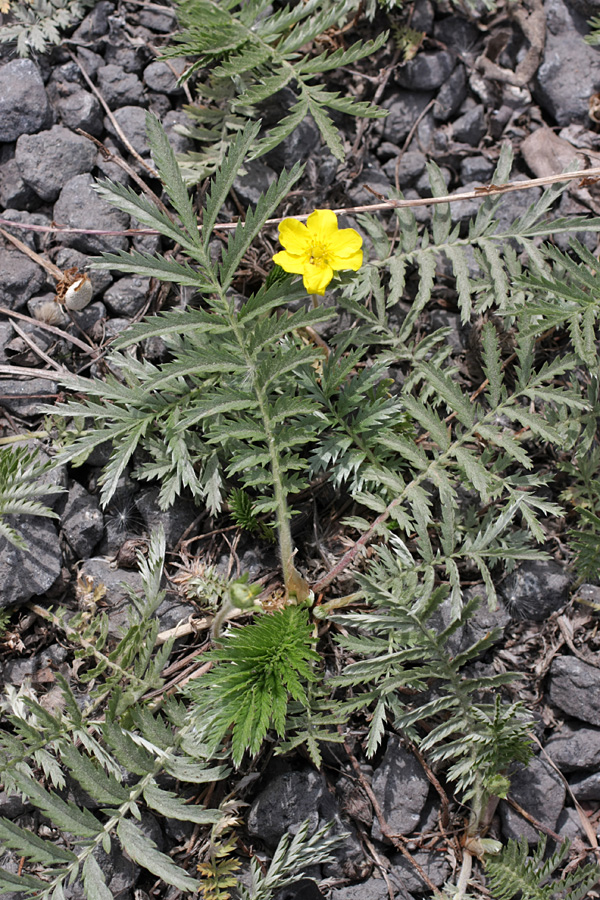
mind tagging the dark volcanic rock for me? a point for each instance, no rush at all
(24, 106)
(48, 160)
(401, 788)
(81, 207)
(132, 122)
(82, 521)
(81, 110)
(585, 787)
(404, 110)
(27, 573)
(570, 70)
(20, 278)
(470, 127)
(575, 688)
(434, 864)
(127, 295)
(426, 71)
(541, 792)
(24, 398)
(14, 193)
(574, 748)
(120, 88)
(535, 590)
(451, 95)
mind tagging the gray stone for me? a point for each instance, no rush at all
(29, 573)
(411, 165)
(574, 747)
(132, 122)
(159, 76)
(49, 159)
(127, 296)
(451, 95)
(585, 787)
(373, 177)
(174, 520)
(95, 24)
(460, 36)
(476, 169)
(172, 122)
(401, 788)
(162, 21)
(24, 398)
(535, 589)
(82, 521)
(470, 128)
(25, 235)
(569, 825)
(404, 875)
(443, 318)
(287, 800)
(24, 106)
(570, 69)
(14, 193)
(426, 71)
(292, 797)
(102, 572)
(80, 207)
(541, 793)
(574, 687)
(119, 88)
(90, 61)
(64, 81)
(81, 110)
(12, 805)
(372, 889)
(305, 889)
(404, 109)
(257, 180)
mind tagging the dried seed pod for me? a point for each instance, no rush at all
(74, 290)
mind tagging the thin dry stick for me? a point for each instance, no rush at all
(91, 351)
(476, 194)
(38, 350)
(44, 263)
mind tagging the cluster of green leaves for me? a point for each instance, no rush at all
(257, 669)
(518, 873)
(23, 486)
(74, 746)
(34, 24)
(406, 643)
(245, 54)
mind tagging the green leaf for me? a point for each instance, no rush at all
(34, 848)
(144, 852)
(171, 806)
(94, 881)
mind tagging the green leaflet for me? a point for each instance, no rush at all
(143, 851)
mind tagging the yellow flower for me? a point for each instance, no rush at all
(318, 249)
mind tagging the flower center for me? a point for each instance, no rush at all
(318, 254)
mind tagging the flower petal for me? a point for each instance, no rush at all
(322, 226)
(345, 242)
(316, 278)
(290, 262)
(294, 236)
(352, 261)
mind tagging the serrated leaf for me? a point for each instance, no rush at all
(173, 807)
(144, 852)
